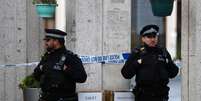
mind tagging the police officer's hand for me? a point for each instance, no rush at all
(66, 67)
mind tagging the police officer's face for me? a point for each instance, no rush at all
(151, 41)
(49, 44)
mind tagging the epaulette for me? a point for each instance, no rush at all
(136, 50)
(71, 53)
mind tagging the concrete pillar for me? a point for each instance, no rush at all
(88, 36)
(191, 56)
(116, 40)
(12, 46)
(70, 24)
(102, 27)
(19, 43)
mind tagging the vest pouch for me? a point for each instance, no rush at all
(53, 79)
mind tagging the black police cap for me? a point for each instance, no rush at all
(149, 30)
(55, 33)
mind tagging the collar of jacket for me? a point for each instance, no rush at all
(151, 49)
(59, 50)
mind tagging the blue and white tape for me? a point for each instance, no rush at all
(109, 59)
(112, 59)
(19, 65)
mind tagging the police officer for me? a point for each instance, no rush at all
(59, 69)
(152, 66)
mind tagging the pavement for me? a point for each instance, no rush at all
(175, 89)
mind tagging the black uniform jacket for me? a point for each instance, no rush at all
(150, 65)
(54, 80)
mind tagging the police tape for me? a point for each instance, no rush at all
(109, 59)
(19, 65)
(106, 59)
(112, 59)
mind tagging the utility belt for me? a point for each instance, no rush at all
(46, 96)
(151, 90)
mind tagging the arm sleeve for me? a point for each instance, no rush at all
(171, 67)
(75, 69)
(37, 72)
(131, 65)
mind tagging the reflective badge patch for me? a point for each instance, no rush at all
(57, 67)
(63, 58)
